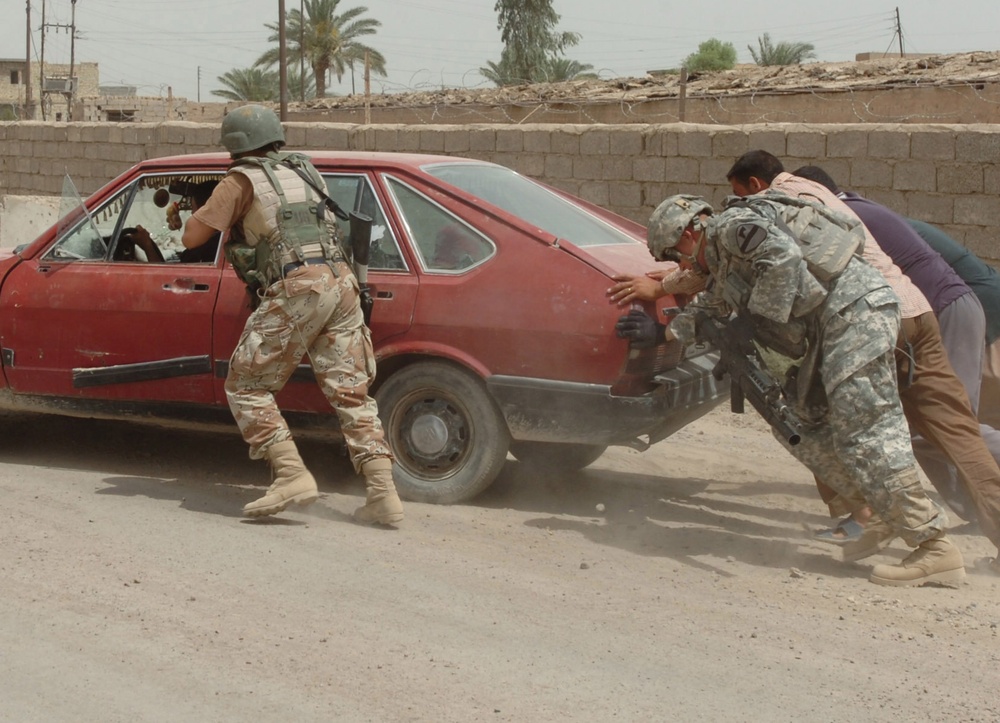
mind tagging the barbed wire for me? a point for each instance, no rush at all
(865, 92)
(964, 102)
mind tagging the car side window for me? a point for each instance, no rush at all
(355, 193)
(157, 204)
(443, 241)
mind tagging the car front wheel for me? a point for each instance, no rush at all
(449, 439)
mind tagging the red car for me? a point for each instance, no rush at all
(491, 325)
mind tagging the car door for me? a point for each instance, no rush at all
(87, 317)
(394, 285)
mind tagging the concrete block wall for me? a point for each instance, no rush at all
(944, 174)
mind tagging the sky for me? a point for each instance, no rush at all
(183, 46)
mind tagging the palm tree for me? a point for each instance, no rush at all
(329, 42)
(560, 69)
(252, 84)
(502, 73)
(554, 70)
(781, 54)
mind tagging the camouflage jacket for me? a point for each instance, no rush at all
(757, 267)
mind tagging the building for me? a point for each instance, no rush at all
(52, 93)
(78, 96)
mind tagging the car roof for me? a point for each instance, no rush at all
(324, 159)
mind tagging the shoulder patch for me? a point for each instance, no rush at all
(749, 236)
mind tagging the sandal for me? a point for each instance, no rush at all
(847, 530)
(876, 537)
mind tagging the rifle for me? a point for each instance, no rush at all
(361, 244)
(748, 378)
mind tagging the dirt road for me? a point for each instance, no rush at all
(132, 590)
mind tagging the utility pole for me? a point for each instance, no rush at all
(682, 95)
(282, 62)
(199, 84)
(368, 91)
(67, 90)
(302, 54)
(899, 32)
(41, 70)
(72, 62)
(28, 114)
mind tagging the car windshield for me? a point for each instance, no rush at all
(526, 199)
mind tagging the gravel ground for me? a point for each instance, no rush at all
(675, 584)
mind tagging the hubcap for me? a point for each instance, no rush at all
(431, 437)
(428, 435)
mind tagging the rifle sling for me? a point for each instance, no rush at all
(330, 203)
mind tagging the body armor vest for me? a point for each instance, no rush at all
(286, 222)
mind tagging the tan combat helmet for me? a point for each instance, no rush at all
(668, 221)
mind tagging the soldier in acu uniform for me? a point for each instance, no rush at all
(308, 304)
(834, 318)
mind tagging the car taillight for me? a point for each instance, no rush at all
(644, 364)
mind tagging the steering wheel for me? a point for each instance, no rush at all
(125, 248)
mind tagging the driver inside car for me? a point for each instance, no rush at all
(198, 194)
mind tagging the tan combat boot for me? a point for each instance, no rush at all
(936, 560)
(293, 483)
(876, 537)
(382, 505)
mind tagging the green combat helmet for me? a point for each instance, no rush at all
(668, 221)
(250, 127)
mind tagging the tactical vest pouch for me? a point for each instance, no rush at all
(247, 261)
(826, 254)
(735, 291)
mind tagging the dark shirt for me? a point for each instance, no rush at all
(927, 270)
(201, 254)
(982, 278)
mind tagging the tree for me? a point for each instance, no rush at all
(501, 73)
(252, 84)
(553, 70)
(527, 29)
(295, 90)
(560, 69)
(713, 54)
(329, 42)
(782, 53)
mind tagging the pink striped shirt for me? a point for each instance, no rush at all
(914, 303)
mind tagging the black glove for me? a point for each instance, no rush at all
(640, 328)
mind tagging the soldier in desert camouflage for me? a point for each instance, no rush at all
(308, 305)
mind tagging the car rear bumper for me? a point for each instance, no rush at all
(543, 410)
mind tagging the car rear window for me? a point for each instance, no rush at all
(537, 205)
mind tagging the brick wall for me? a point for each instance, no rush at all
(947, 175)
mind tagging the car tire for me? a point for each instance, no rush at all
(557, 456)
(448, 436)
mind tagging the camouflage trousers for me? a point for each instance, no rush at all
(862, 447)
(314, 313)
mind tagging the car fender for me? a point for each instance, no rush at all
(400, 353)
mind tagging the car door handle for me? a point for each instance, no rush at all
(383, 294)
(184, 285)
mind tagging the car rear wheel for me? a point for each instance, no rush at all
(556, 456)
(449, 439)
